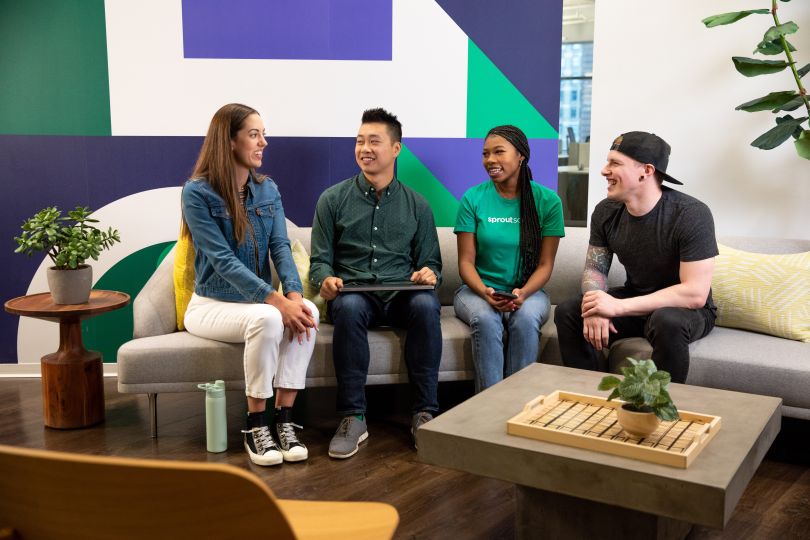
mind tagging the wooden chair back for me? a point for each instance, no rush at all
(55, 495)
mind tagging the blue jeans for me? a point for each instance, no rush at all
(502, 343)
(353, 314)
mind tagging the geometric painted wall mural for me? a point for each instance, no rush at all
(106, 104)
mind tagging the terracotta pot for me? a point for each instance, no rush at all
(70, 286)
(637, 424)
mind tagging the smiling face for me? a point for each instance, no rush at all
(249, 143)
(501, 161)
(622, 174)
(376, 152)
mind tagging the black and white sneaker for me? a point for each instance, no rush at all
(261, 447)
(291, 448)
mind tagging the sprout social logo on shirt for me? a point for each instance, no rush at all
(503, 220)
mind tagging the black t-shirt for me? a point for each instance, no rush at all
(651, 247)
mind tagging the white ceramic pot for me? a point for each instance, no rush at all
(70, 286)
(637, 424)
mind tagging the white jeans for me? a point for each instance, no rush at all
(268, 355)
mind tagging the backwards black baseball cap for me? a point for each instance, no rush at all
(645, 148)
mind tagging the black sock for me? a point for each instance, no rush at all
(283, 415)
(256, 419)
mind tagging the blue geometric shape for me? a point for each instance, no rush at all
(523, 38)
(458, 166)
(288, 29)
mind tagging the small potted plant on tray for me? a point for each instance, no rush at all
(644, 392)
(69, 242)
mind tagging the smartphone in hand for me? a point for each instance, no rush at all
(504, 294)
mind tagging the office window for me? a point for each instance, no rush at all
(576, 67)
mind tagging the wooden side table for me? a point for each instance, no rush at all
(72, 377)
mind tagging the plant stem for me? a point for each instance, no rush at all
(783, 41)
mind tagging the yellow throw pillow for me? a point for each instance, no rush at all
(183, 278)
(765, 293)
(311, 293)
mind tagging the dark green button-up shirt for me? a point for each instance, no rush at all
(361, 238)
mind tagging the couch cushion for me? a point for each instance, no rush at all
(183, 278)
(750, 362)
(738, 360)
(763, 293)
(176, 362)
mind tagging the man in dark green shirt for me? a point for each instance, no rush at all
(373, 229)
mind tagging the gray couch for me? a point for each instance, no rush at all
(161, 359)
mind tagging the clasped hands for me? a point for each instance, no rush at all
(330, 287)
(598, 308)
(295, 316)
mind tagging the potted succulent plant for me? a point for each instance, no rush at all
(69, 242)
(644, 392)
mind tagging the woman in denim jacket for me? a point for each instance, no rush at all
(234, 217)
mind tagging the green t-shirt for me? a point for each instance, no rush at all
(495, 221)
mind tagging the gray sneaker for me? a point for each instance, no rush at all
(350, 433)
(417, 420)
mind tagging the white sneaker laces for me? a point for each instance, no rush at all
(262, 439)
(287, 436)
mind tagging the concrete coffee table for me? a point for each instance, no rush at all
(566, 492)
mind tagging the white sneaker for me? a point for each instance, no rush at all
(261, 447)
(291, 448)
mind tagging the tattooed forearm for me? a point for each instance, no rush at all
(597, 266)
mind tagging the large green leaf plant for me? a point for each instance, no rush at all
(68, 241)
(643, 388)
(774, 43)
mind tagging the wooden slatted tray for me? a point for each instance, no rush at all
(590, 422)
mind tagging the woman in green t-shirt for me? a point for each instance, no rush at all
(508, 230)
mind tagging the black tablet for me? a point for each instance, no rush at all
(390, 286)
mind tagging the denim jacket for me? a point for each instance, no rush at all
(226, 270)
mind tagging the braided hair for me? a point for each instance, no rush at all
(529, 221)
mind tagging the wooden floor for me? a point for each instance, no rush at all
(432, 502)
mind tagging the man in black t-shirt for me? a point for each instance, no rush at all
(665, 240)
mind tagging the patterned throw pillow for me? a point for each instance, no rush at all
(183, 278)
(311, 293)
(764, 293)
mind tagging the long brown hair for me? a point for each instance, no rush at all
(216, 164)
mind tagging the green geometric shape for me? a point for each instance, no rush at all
(492, 100)
(107, 332)
(413, 173)
(53, 68)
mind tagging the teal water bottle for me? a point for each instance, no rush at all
(216, 422)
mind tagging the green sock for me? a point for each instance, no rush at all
(359, 416)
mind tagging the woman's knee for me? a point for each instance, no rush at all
(313, 310)
(527, 319)
(266, 323)
(487, 322)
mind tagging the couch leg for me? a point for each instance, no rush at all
(153, 414)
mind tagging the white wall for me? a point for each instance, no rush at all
(658, 69)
